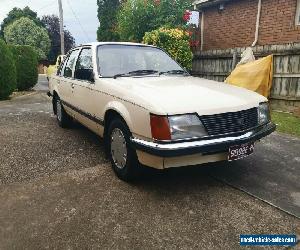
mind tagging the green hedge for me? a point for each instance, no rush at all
(174, 41)
(7, 71)
(26, 61)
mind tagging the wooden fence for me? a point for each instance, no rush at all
(218, 64)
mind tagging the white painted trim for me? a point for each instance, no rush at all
(200, 1)
(202, 30)
(297, 14)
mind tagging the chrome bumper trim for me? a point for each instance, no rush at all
(206, 146)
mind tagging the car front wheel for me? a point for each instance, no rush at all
(122, 156)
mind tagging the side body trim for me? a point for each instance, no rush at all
(85, 114)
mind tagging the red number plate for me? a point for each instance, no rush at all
(240, 151)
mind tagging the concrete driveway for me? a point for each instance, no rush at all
(42, 84)
(271, 174)
(57, 191)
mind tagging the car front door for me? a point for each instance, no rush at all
(66, 86)
(84, 91)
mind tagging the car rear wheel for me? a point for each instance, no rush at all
(122, 156)
(63, 119)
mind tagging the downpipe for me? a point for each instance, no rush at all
(257, 23)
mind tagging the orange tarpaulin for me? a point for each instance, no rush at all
(256, 76)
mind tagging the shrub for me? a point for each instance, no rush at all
(26, 66)
(174, 41)
(7, 71)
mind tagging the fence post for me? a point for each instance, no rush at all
(234, 59)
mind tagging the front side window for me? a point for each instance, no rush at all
(116, 59)
(84, 65)
(68, 71)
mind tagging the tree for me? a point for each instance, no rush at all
(107, 12)
(136, 17)
(25, 32)
(8, 75)
(51, 23)
(15, 14)
(26, 65)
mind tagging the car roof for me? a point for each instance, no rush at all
(114, 43)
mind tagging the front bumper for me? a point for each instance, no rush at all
(204, 146)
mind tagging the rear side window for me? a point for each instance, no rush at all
(61, 66)
(68, 71)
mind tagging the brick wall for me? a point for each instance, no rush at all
(235, 25)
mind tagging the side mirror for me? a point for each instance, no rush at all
(92, 76)
(85, 74)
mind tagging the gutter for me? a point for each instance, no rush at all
(257, 23)
(208, 3)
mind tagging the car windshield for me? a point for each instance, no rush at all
(126, 60)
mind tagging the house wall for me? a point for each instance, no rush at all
(235, 25)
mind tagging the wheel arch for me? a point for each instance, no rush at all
(116, 109)
(110, 114)
(135, 117)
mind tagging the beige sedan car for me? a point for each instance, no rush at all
(151, 112)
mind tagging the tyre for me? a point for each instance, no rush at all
(63, 119)
(122, 156)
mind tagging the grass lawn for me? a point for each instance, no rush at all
(286, 123)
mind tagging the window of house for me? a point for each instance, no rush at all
(297, 18)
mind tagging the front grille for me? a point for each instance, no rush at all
(231, 122)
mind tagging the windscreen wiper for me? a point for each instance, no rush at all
(137, 72)
(174, 72)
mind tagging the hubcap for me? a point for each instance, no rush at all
(118, 148)
(58, 110)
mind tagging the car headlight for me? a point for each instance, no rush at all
(166, 128)
(263, 113)
(186, 126)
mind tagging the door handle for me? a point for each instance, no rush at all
(72, 85)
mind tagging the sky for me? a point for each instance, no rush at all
(83, 28)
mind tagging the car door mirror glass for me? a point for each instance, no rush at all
(85, 74)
